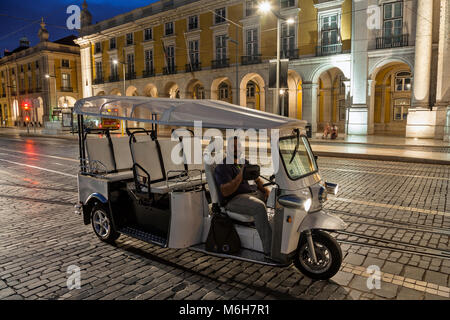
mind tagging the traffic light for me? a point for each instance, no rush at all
(26, 106)
(27, 119)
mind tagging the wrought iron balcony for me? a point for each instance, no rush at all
(170, 70)
(289, 54)
(252, 59)
(66, 89)
(196, 66)
(392, 41)
(114, 78)
(130, 76)
(146, 73)
(221, 63)
(329, 49)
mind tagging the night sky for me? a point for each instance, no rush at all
(20, 18)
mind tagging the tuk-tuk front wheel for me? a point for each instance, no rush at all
(101, 223)
(328, 254)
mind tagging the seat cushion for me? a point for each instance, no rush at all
(118, 176)
(240, 217)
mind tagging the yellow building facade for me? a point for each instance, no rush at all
(45, 79)
(222, 50)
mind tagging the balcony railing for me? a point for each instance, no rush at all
(66, 89)
(196, 66)
(329, 49)
(114, 78)
(170, 70)
(146, 73)
(130, 76)
(99, 80)
(252, 59)
(289, 54)
(193, 26)
(392, 41)
(221, 63)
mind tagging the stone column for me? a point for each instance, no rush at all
(357, 114)
(86, 73)
(310, 104)
(421, 120)
(442, 106)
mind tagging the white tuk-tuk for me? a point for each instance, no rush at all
(130, 184)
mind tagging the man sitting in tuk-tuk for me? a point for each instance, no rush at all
(240, 196)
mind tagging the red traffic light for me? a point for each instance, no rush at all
(26, 106)
(27, 119)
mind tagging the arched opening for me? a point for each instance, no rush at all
(172, 90)
(392, 98)
(331, 102)
(252, 94)
(65, 102)
(195, 90)
(132, 91)
(150, 90)
(115, 92)
(101, 93)
(294, 100)
(221, 89)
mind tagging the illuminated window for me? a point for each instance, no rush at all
(403, 81)
(401, 107)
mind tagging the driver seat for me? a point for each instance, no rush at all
(214, 191)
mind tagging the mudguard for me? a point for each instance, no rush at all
(322, 220)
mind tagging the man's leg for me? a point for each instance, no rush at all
(252, 205)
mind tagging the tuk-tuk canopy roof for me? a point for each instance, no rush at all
(182, 112)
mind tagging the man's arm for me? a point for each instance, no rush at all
(229, 188)
(260, 184)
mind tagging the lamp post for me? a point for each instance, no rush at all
(48, 76)
(116, 62)
(266, 7)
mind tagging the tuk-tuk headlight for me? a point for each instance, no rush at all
(295, 202)
(307, 204)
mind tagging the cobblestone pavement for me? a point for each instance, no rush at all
(40, 237)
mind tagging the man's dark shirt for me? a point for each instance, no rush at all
(224, 173)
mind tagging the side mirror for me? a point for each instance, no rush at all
(332, 188)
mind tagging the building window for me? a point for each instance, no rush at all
(329, 30)
(98, 70)
(168, 29)
(401, 107)
(98, 47)
(393, 19)
(287, 37)
(199, 92)
(65, 63)
(13, 71)
(194, 54)
(287, 3)
(403, 81)
(252, 42)
(251, 89)
(250, 7)
(130, 39)
(22, 84)
(112, 43)
(148, 34)
(38, 81)
(29, 67)
(130, 64)
(65, 80)
(37, 64)
(221, 47)
(170, 58)
(30, 83)
(21, 68)
(149, 61)
(193, 23)
(220, 15)
(224, 91)
(114, 69)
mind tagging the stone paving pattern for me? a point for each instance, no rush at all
(40, 237)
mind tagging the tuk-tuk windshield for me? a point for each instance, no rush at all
(302, 162)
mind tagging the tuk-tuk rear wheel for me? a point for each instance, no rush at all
(101, 224)
(328, 252)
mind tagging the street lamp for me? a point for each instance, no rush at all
(266, 7)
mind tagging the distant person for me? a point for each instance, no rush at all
(326, 131)
(334, 131)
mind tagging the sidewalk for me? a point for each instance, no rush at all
(356, 147)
